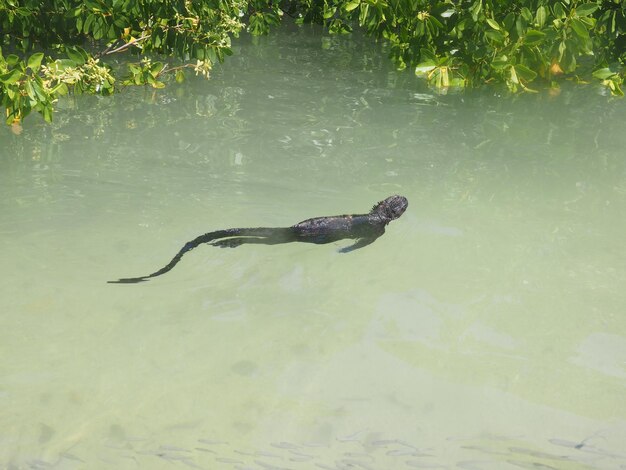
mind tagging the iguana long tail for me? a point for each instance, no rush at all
(207, 237)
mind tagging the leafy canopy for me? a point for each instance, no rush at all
(470, 42)
(452, 43)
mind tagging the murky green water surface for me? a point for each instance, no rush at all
(485, 330)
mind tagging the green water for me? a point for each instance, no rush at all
(485, 330)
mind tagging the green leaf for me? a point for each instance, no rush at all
(12, 60)
(586, 9)
(428, 56)
(198, 52)
(513, 75)
(60, 89)
(40, 94)
(180, 76)
(92, 5)
(156, 68)
(448, 12)
(526, 14)
(495, 36)
(500, 62)
(11, 77)
(112, 32)
(604, 73)
(12, 116)
(121, 21)
(23, 12)
(579, 28)
(434, 23)
(47, 113)
(98, 29)
(562, 48)
(569, 61)
(88, 22)
(615, 87)
(525, 73)
(475, 9)
(520, 26)
(533, 37)
(494, 24)
(352, 5)
(34, 61)
(457, 82)
(157, 37)
(540, 17)
(559, 11)
(30, 92)
(509, 22)
(425, 68)
(74, 54)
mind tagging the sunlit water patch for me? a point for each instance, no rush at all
(484, 330)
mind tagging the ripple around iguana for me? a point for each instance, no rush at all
(364, 228)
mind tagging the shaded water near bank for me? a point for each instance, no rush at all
(485, 330)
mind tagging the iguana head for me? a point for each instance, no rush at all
(391, 208)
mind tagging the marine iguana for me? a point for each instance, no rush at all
(365, 228)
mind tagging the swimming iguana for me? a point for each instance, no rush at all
(365, 228)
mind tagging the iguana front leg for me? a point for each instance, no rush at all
(360, 243)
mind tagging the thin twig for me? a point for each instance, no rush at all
(106, 51)
(127, 45)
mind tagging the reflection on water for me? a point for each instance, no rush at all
(484, 330)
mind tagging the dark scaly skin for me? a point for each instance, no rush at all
(364, 228)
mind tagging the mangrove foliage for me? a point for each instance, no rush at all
(49, 48)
